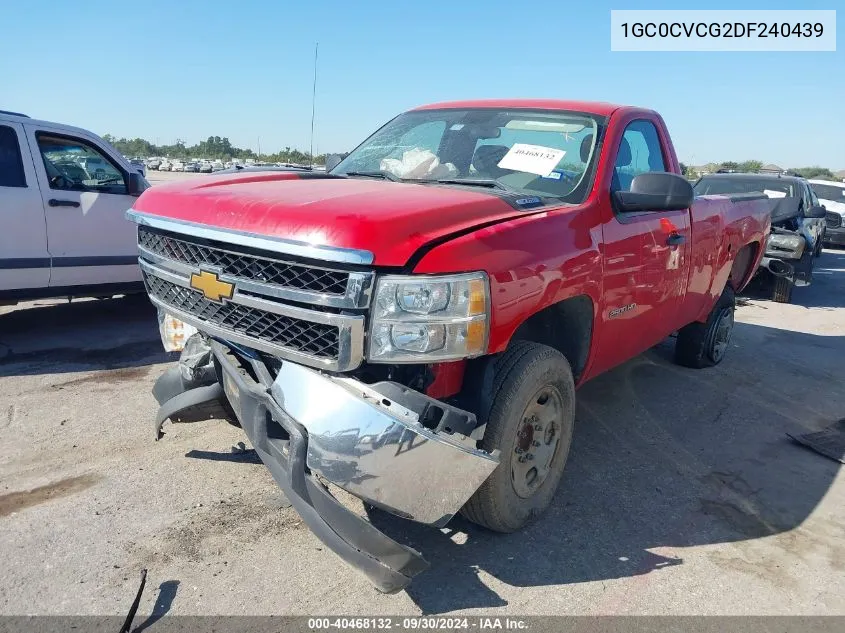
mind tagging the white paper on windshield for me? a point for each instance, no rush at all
(533, 159)
(774, 194)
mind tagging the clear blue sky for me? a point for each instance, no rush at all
(243, 68)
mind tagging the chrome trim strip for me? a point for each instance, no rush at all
(252, 240)
(166, 262)
(325, 318)
(359, 285)
(283, 309)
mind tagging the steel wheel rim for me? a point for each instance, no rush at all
(537, 440)
(722, 335)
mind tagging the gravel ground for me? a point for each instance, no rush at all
(682, 495)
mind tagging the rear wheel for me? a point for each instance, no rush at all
(529, 409)
(705, 344)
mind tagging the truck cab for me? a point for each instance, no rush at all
(63, 195)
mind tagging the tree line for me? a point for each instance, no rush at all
(213, 148)
(754, 166)
(220, 148)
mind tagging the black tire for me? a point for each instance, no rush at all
(522, 377)
(782, 289)
(704, 344)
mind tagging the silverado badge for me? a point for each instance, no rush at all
(211, 286)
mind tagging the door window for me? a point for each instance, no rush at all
(75, 165)
(805, 194)
(639, 153)
(11, 165)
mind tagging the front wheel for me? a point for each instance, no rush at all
(705, 344)
(529, 409)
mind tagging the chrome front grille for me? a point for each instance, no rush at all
(262, 269)
(313, 315)
(318, 339)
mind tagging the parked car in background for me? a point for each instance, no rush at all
(191, 167)
(153, 163)
(832, 195)
(798, 225)
(165, 165)
(205, 167)
(177, 165)
(217, 166)
(63, 196)
(427, 308)
(139, 166)
(95, 166)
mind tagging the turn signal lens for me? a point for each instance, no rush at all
(477, 297)
(475, 338)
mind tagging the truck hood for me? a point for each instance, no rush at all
(390, 220)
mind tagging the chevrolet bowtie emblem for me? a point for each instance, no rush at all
(211, 286)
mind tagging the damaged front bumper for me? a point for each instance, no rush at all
(390, 446)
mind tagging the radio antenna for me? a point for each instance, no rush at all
(313, 103)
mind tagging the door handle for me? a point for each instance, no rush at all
(675, 239)
(62, 203)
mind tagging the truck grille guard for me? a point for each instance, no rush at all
(307, 313)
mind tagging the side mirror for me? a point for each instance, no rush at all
(332, 161)
(815, 212)
(137, 184)
(833, 220)
(655, 191)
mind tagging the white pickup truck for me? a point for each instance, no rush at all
(63, 195)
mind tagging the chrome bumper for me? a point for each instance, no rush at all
(373, 442)
(392, 447)
(370, 440)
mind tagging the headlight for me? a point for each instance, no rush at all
(418, 319)
(794, 244)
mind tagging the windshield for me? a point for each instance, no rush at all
(772, 187)
(545, 153)
(829, 192)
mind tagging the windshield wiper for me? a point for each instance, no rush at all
(384, 175)
(489, 183)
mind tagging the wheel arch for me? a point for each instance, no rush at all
(566, 326)
(744, 266)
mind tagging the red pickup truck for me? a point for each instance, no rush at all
(410, 326)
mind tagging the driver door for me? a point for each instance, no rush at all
(646, 255)
(85, 196)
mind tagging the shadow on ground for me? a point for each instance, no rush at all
(664, 457)
(825, 291)
(164, 601)
(51, 337)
